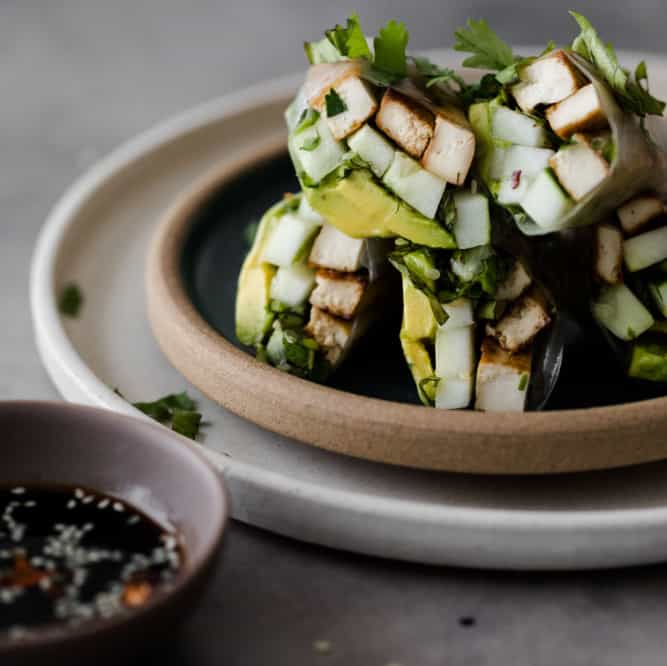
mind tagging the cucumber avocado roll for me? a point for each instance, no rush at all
(307, 292)
(561, 136)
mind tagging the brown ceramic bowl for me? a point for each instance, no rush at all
(141, 463)
(381, 430)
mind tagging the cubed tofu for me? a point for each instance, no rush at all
(524, 320)
(452, 148)
(335, 250)
(609, 254)
(338, 293)
(638, 212)
(581, 112)
(579, 169)
(406, 122)
(325, 76)
(548, 80)
(502, 378)
(514, 283)
(360, 105)
(331, 333)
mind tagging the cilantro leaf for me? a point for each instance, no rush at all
(435, 75)
(488, 50)
(186, 422)
(70, 301)
(334, 103)
(390, 46)
(179, 408)
(629, 91)
(350, 41)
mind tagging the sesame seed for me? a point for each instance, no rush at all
(19, 490)
(322, 647)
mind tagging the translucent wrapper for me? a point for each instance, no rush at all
(638, 165)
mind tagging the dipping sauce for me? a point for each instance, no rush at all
(70, 555)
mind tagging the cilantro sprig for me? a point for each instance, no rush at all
(630, 90)
(487, 49)
(179, 409)
(387, 61)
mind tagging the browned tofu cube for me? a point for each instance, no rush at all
(548, 80)
(325, 76)
(581, 112)
(524, 320)
(638, 212)
(502, 378)
(609, 254)
(452, 148)
(331, 333)
(514, 283)
(579, 169)
(338, 293)
(405, 121)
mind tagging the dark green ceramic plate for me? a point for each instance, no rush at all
(212, 260)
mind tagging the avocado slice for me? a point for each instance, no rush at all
(253, 317)
(419, 325)
(360, 207)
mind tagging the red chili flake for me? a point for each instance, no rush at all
(516, 179)
(136, 594)
(24, 574)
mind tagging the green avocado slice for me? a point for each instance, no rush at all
(253, 317)
(649, 359)
(359, 207)
(418, 326)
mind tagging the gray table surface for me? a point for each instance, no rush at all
(78, 77)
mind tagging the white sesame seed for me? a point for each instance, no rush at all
(19, 490)
(117, 506)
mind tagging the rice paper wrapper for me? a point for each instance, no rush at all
(640, 164)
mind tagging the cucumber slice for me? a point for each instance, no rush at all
(306, 212)
(373, 148)
(649, 359)
(460, 313)
(529, 161)
(473, 225)
(646, 249)
(512, 190)
(315, 151)
(292, 284)
(275, 348)
(322, 51)
(658, 290)
(289, 241)
(546, 202)
(455, 352)
(467, 265)
(518, 128)
(416, 186)
(454, 392)
(621, 312)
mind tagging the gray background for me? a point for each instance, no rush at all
(76, 78)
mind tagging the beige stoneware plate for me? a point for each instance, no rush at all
(99, 235)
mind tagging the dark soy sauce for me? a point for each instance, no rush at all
(70, 555)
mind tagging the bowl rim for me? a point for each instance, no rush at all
(180, 329)
(52, 635)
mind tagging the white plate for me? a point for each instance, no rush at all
(97, 236)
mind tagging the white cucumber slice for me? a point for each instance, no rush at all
(620, 311)
(473, 225)
(316, 151)
(529, 161)
(454, 392)
(512, 190)
(546, 202)
(275, 347)
(659, 293)
(646, 249)
(455, 352)
(373, 148)
(292, 285)
(306, 212)
(460, 313)
(416, 186)
(518, 128)
(289, 241)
